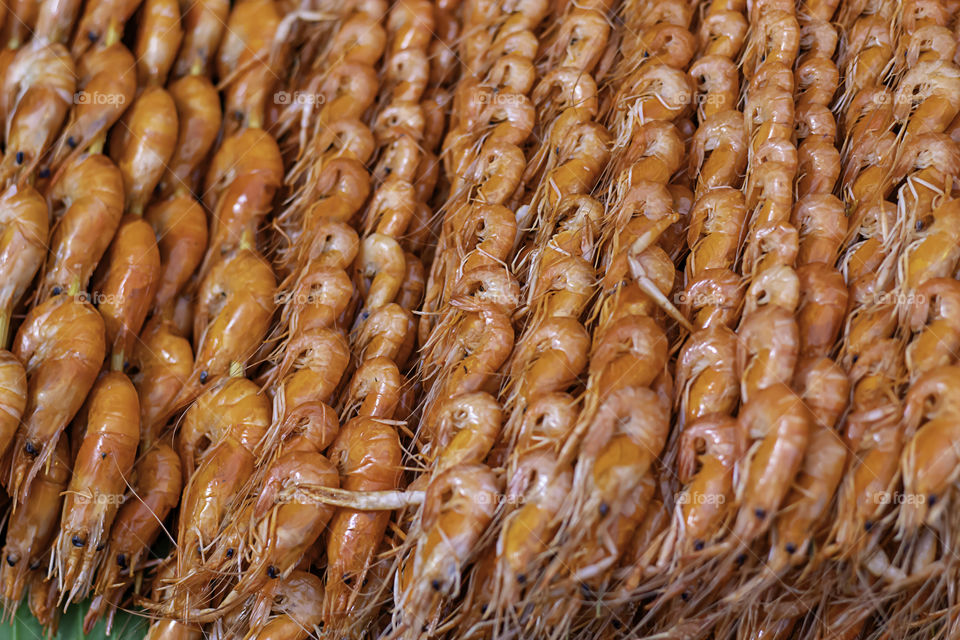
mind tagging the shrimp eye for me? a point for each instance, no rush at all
(122, 560)
(347, 580)
(272, 572)
(932, 499)
(483, 608)
(684, 596)
(101, 546)
(436, 585)
(741, 559)
(760, 513)
(56, 291)
(92, 36)
(924, 222)
(230, 553)
(71, 142)
(698, 545)
(791, 548)
(522, 579)
(616, 623)
(44, 173)
(30, 449)
(867, 525)
(203, 377)
(12, 559)
(604, 508)
(19, 157)
(78, 541)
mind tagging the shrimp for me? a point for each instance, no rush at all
(24, 227)
(217, 487)
(656, 92)
(380, 270)
(295, 603)
(38, 88)
(288, 521)
(106, 83)
(320, 297)
(718, 155)
(98, 20)
(155, 491)
(22, 23)
(234, 409)
(706, 375)
(104, 462)
(463, 430)
(924, 97)
(777, 424)
(90, 189)
(144, 145)
(158, 40)
(368, 456)
(32, 528)
(126, 289)
(160, 363)
(374, 390)
(716, 224)
(458, 506)
(235, 303)
(767, 349)
(549, 358)
(630, 352)
(62, 345)
(203, 25)
(709, 450)
(822, 308)
(718, 78)
(936, 338)
(198, 118)
(180, 226)
(722, 34)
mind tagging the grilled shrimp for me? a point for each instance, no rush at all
(24, 227)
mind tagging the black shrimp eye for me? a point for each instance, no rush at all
(760, 513)
(12, 559)
(698, 545)
(868, 525)
(122, 560)
(272, 572)
(56, 291)
(44, 173)
(101, 546)
(230, 553)
(78, 541)
(436, 585)
(604, 508)
(791, 548)
(347, 580)
(92, 36)
(71, 142)
(203, 377)
(932, 499)
(31, 449)
(19, 157)
(522, 579)
(741, 558)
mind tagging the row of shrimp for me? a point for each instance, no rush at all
(466, 330)
(558, 234)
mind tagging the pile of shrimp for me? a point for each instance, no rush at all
(410, 319)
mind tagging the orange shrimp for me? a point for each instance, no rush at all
(158, 40)
(86, 225)
(144, 145)
(235, 408)
(217, 487)
(180, 226)
(104, 461)
(368, 456)
(62, 345)
(126, 288)
(106, 83)
(235, 303)
(160, 364)
(21, 23)
(244, 62)
(155, 491)
(767, 349)
(32, 528)
(24, 227)
(198, 117)
(458, 506)
(98, 20)
(203, 25)
(38, 88)
(777, 424)
(706, 375)
(936, 338)
(822, 308)
(295, 602)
